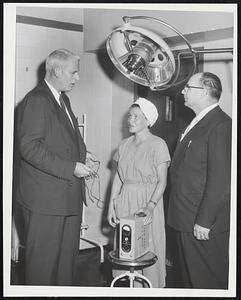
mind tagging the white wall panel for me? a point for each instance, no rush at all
(222, 65)
(33, 44)
(58, 12)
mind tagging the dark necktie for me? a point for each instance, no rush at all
(61, 101)
(62, 104)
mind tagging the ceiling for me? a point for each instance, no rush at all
(99, 20)
(98, 23)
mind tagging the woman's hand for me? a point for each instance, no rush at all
(112, 219)
(148, 210)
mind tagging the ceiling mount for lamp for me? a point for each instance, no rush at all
(145, 58)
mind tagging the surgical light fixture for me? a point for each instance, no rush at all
(145, 58)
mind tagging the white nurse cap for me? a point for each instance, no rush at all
(148, 109)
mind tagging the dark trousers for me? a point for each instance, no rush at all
(51, 245)
(204, 264)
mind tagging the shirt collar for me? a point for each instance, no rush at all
(53, 90)
(205, 111)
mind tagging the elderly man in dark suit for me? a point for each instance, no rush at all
(51, 188)
(200, 172)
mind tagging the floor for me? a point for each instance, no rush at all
(89, 271)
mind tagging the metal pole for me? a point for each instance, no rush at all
(214, 50)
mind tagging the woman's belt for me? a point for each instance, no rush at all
(138, 182)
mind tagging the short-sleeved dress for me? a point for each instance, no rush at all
(137, 168)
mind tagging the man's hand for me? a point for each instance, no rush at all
(201, 233)
(81, 170)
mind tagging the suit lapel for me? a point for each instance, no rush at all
(64, 120)
(75, 131)
(195, 131)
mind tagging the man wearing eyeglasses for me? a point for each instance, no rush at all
(200, 175)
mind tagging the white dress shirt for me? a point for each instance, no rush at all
(198, 118)
(56, 96)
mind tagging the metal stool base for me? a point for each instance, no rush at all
(132, 276)
(142, 262)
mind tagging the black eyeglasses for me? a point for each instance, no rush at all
(187, 86)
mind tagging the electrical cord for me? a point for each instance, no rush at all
(95, 177)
